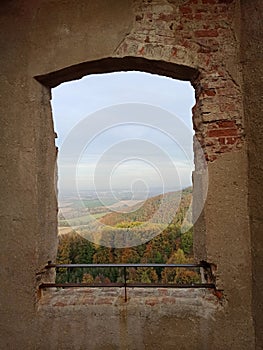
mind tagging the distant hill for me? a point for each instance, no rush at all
(171, 205)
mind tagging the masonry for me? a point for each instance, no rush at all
(216, 45)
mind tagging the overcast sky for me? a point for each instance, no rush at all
(127, 130)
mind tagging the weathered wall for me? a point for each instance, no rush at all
(40, 37)
(252, 58)
(151, 319)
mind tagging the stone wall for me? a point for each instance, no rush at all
(150, 319)
(44, 43)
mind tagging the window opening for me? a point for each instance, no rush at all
(125, 191)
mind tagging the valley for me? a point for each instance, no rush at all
(127, 231)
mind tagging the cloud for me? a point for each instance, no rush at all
(166, 144)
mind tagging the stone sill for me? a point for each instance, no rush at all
(177, 300)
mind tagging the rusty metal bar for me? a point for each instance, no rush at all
(128, 285)
(125, 284)
(80, 285)
(50, 265)
(170, 285)
(204, 266)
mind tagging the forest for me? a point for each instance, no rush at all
(174, 245)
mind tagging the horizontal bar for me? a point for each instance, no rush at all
(170, 285)
(122, 265)
(74, 285)
(129, 285)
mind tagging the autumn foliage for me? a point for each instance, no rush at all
(173, 245)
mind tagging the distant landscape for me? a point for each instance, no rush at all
(109, 222)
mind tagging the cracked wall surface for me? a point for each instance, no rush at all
(44, 43)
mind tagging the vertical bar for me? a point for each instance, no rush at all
(202, 273)
(125, 284)
(68, 274)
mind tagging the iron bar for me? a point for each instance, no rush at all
(128, 285)
(125, 283)
(203, 266)
(50, 265)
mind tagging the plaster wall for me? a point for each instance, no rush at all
(252, 55)
(197, 40)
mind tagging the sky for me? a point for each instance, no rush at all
(127, 130)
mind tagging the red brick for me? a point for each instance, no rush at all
(207, 58)
(101, 300)
(174, 51)
(163, 292)
(168, 300)
(209, 92)
(226, 124)
(185, 43)
(151, 302)
(222, 140)
(141, 51)
(222, 132)
(206, 33)
(185, 10)
(87, 300)
(198, 16)
(218, 294)
(166, 17)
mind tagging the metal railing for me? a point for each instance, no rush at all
(204, 268)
